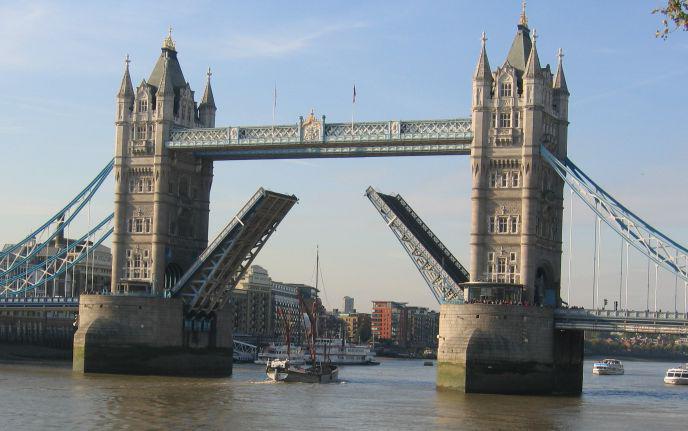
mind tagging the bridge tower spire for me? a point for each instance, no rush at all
(517, 199)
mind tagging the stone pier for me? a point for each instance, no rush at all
(507, 349)
(148, 335)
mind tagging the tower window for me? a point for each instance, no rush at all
(515, 177)
(491, 227)
(505, 119)
(493, 180)
(517, 119)
(501, 268)
(494, 120)
(505, 89)
(514, 224)
(512, 256)
(142, 105)
(504, 180)
(502, 224)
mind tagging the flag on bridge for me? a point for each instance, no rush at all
(354, 98)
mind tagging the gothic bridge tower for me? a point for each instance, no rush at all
(161, 198)
(517, 205)
(517, 199)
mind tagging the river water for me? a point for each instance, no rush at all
(397, 395)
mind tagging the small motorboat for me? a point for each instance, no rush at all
(608, 367)
(677, 376)
(428, 364)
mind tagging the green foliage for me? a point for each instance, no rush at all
(364, 333)
(675, 11)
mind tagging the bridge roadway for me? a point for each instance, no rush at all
(649, 322)
(314, 138)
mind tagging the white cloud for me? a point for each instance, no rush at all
(286, 41)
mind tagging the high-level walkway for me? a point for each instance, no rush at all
(313, 138)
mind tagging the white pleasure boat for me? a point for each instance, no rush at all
(608, 367)
(677, 376)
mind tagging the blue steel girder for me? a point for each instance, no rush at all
(641, 235)
(436, 264)
(206, 286)
(17, 255)
(53, 267)
(316, 139)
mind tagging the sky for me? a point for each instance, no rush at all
(62, 63)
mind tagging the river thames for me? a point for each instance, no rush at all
(399, 394)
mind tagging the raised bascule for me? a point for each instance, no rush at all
(503, 328)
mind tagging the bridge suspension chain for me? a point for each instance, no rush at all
(658, 247)
(23, 252)
(54, 266)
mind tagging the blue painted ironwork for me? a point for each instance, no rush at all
(317, 139)
(57, 264)
(16, 255)
(648, 240)
(439, 268)
(206, 286)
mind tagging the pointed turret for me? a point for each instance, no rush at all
(521, 46)
(168, 60)
(559, 79)
(126, 89)
(208, 98)
(207, 108)
(533, 65)
(482, 70)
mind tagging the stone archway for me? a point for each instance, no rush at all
(545, 292)
(173, 272)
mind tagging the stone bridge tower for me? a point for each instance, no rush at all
(161, 198)
(517, 199)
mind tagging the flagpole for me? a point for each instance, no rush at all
(274, 106)
(353, 107)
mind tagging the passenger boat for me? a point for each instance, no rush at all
(612, 367)
(282, 352)
(677, 376)
(338, 353)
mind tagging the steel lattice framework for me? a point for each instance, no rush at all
(438, 266)
(30, 277)
(314, 138)
(651, 242)
(27, 250)
(206, 286)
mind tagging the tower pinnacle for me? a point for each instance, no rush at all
(533, 64)
(523, 20)
(168, 43)
(559, 79)
(482, 69)
(125, 88)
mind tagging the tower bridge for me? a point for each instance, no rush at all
(502, 326)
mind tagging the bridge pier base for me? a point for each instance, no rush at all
(505, 349)
(146, 335)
